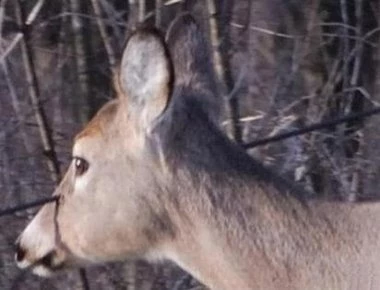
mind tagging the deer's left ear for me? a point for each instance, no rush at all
(145, 77)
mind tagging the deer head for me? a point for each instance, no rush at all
(114, 200)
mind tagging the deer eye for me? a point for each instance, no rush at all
(81, 166)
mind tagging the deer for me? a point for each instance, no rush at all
(154, 177)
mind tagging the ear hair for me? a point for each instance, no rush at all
(192, 63)
(145, 78)
(189, 51)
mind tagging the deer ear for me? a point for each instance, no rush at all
(145, 76)
(190, 54)
(192, 63)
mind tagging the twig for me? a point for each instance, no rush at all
(354, 188)
(12, 91)
(12, 210)
(44, 130)
(105, 37)
(224, 84)
(34, 12)
(171, 2)
(2, 10)
(16, 107)
(30, 19)
(158, 16)
(270, 32)
(338, 24)
(358, 44)
(81, 61)
(106, 21)
(313, 127)
(11, 46)
(142, 10)
(346, 43)
(62, 52)
(300, 36)
(337, 171)
(112, 18)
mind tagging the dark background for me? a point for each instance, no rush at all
(281, 65)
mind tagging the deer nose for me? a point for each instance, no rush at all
(20, 252)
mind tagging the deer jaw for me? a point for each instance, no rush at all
(105, 214)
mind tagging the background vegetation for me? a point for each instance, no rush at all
(281, 65)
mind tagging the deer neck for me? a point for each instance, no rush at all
(202, 254)
(214, 231)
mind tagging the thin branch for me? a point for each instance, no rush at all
(34, 12)
(14, 209)
(346, 43)
(142, 10)
(158, 16)
(171, 2)
(30, 19)
(220, 70)
(267, 31)
(81, 61)
(112, 18)
(11, 46)
(314, 127)
(338, 24)
(2, 12)
(44, 129)
(106, 21)
(358, 44)
(337, 171)
(105, 37)
(16, 107)
(300, 36)
(355, 175)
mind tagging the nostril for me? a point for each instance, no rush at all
(20, 252)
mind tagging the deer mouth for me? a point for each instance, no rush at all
(46, 266)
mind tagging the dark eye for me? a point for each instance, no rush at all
(81, 166)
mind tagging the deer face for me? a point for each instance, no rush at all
(107, 206)
(113, 200)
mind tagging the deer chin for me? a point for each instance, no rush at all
(43, 271)
(47, 266)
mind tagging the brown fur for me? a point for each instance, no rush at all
(97, 124)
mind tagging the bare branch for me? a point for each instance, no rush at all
(30, 19)
(358, 44)
(44, 130)
(142, 10)
(16, 107)
(2, 10)
(266, 31)
(35, 10)
(364, 39)
(346, 44)
(171, 2)
(158, 13)
(11, 46)
(219, 67)
(105, 37)
(81, 61)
